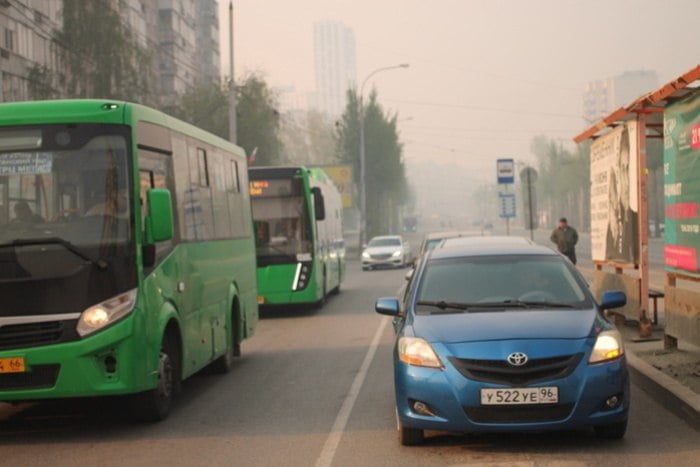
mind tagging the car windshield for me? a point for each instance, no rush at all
(524, 280)
(384, 242)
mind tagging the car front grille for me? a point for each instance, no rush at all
(519, 413)
(502, 372)
(14, 336)
(38, 377)
(380, 257)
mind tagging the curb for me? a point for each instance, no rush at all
(676, 397)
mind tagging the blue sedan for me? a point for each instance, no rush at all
(503, 338)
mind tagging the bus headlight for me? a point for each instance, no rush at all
(302, 277)
(608, 346)
(98, 316)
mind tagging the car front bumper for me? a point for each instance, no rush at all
(456, 404)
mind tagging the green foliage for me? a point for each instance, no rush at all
(258, 122)
(387, 187)
(563, 182)
(205, 106)
(40, 83)
(99, 56)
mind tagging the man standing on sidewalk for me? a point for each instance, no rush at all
(566, 239)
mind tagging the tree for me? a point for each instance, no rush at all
(258, 122)
(207, 106)
(386, 185)
(99, 56)
(563, 183)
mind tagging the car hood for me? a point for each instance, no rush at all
(382, 250)
(504, 325)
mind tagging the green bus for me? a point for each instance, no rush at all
(297, 214)
(127, 256)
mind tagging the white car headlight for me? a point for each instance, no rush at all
(98, 316)
(365, 255)
(396, 254)
(608, 346)
(416, 351)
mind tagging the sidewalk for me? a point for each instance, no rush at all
(670, 376)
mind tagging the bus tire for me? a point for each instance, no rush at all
(224, 363)
(155, 404)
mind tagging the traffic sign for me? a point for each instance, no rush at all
(505, 171)
(507, 203)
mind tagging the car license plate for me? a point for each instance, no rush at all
(520, 396)
(12, 365)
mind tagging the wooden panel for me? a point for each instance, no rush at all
(604, 281)
(682, 308)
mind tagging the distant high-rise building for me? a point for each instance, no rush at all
(177, 35)
(335, 67)
(604, 96)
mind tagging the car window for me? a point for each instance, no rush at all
(384, 242)
(482, 279)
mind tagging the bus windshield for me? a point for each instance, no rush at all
(66, 239)
(281, 219)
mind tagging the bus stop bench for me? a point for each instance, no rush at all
(655, 295)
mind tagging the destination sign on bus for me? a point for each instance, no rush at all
(25, 163)
(272, 188)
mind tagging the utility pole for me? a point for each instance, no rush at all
(233, 124)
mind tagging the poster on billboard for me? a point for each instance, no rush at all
(682, 187)
(342, 177)
(614, 200)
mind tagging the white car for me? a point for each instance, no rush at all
(385, 251)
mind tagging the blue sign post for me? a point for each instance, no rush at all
(505, 175)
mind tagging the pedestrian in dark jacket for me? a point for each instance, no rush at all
(566, 238)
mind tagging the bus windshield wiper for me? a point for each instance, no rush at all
(100, 263)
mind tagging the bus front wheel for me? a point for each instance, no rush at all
(154, 405)
(224, 364)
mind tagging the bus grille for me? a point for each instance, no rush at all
(519, 413)
(14, 336)
(501, 372)
(39, 377)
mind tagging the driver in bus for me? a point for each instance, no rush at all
(25, 215)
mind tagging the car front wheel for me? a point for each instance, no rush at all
(409, 436)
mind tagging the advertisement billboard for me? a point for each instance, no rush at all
(614, 200)
(682, 187)
(342, 177)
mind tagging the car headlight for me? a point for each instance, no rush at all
(608, 346)
(396, 254)
(98, 316)
(365, 255)
(416, 351)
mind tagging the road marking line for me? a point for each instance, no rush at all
(325, 459)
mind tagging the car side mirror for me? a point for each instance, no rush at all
(387, 306)
(409, 275)
(613, 299)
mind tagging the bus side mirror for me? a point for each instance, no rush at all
(159, 221)
(319, 204)
(262, 232)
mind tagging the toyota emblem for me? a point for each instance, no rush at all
(517, 359)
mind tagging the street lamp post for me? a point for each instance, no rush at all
(363, 180)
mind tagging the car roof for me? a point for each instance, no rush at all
(485, 240)
(384, 236)
(478, 248)
(452, 234)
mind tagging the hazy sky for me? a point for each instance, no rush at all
(485, 76)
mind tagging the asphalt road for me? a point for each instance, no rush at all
(315, 389)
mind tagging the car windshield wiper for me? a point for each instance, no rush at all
(444, 306)
(100, 263)
(547, 304)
